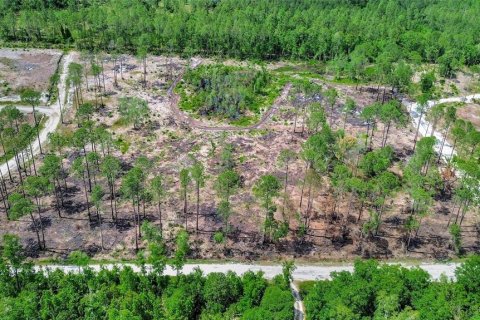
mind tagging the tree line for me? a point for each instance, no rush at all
(354, 32)
(122, 293)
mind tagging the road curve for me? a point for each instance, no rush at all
(53, 113)
(426, 127)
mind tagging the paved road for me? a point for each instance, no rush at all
(53, 113)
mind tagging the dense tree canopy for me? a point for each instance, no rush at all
(122, 293)
(393, 292)
(443, 31)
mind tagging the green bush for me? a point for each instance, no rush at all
(225, 92)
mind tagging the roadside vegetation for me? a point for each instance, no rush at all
(121, 293)
(392, 292)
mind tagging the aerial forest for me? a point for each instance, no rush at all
(444, 32)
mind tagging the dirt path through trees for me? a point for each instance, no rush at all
(53, 112)
(426, 126)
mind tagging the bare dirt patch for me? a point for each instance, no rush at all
(470, 112)
(30, 68)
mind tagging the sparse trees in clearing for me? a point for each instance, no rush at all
(391, 113)
(97, 196)
(51, 169)
(185, 179)
(472, 141)
(434, 115)
(348, 110)
(132, 189)
(96, 71)
(377, 161)
(79, 140)
(227, 161)
(455, 232)
(78, 170)
(21, 206)
(466, 193)
(421, 184)
(226, 184)
(369, 115)
(284, 158)
(224, 210)
(158, 190)
(57, 144)
(380, 188)
(110, 169)
(142, 51)
(266, 188)
(84, 112)
(358, 188)
(134, 110)
(37, 187)
(331, 95)
(198, 175)
(33, 98)
(340, 177)
(16, 138)
(316, 117)
(75, 80)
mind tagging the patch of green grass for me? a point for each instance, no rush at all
(10, 63)
(119, 123)
(244, 121)
(122, 145)
(235, 94)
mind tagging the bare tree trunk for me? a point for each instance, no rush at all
(86, 197)
(198, 205)
(285, 190)
(136, 230)
(160, 214)
(416, 133)
(33, 159)
(36, 128)
(303, 185)
(36, 231)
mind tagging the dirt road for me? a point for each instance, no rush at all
(52, 111)
(426, 127)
